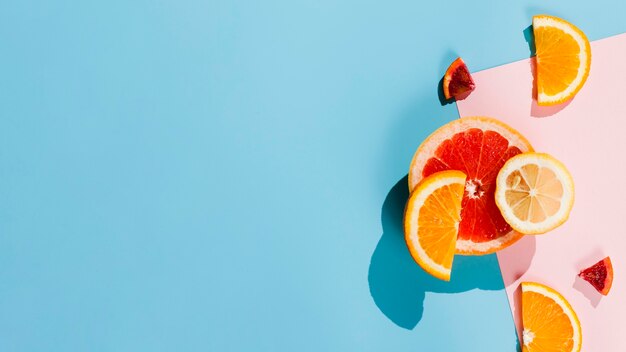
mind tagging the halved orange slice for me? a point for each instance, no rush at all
(477, 146)
(563, 57)
(550, 323)
(534, 192)
(431, 221)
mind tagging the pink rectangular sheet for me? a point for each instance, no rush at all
(589, 136)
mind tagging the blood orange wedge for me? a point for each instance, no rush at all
(550, 323)
(431, 221)
(534, 192)
(457, 81)
(563, 59)
(478, 146)
(600, 275)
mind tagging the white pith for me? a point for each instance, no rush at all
(483, 247)
(527, 337)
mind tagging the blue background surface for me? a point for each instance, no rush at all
(228, 175)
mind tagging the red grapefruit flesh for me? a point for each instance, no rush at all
(599, 275)
(479, 147)
(457, 82)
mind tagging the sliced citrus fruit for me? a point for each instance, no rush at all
(550, 323)
(534, 192)
(599, 275)
(563, 57)
(457, 81)
(478, 146)
(431, 221)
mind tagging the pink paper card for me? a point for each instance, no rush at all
(588, 135)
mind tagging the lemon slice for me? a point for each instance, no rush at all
(534, 192)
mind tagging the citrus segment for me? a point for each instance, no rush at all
(599, 275)
(457, 82)
(431, 221)
(563, 59)
(534, 192)
(477, 146)
(550, 323)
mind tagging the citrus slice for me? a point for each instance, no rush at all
(431, 221)
(563, 57)
(534, 192)
(478, 146)
(457, 81)
(599, 275)
(550, 323)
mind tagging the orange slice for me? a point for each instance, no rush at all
(534, 192)
(477, 146)
(550, 323)
(563, 57)
(431, 221)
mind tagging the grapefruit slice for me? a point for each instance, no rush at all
(534, 192)
(599, 275)
(457, 82)
(431, 221)
(477, 146)
(563, 57)
(550, 323)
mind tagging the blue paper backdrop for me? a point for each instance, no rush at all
(228, 175)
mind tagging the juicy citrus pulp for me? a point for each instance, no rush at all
(457, 80)
(563, 58)
(477, 146)
(599, 275)
(550, 323)
(431, 221)
(534, 192)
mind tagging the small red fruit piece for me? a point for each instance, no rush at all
(599, 275)
(457, 83)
